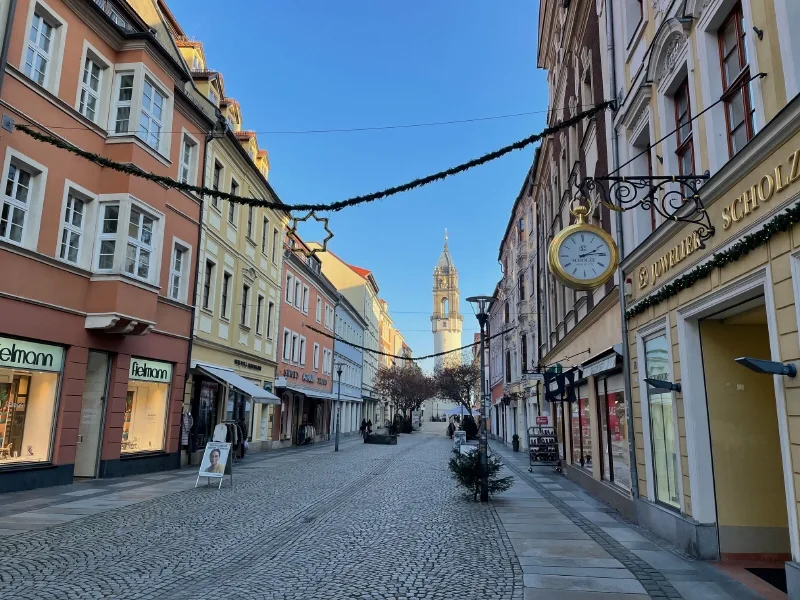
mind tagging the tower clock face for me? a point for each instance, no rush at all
(583, 257)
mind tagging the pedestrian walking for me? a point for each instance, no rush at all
(369, 427)
(363, 427)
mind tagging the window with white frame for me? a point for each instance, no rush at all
(259, 311)
(72, 229)
(289, 288)
(232, 205)
(250, 221)
(316, 357)
(305, 299)
(287, 340)
(89, 102)
(244, 319)
(139, 244)
(295, 347)
(123, 101)
(208, 285)
(275, 245)
(319, 309)
(39, 53)
(178, 272)
(15, 203)
(302, 351)
(226, 285)
(270, 311)
(151, 119)
(264, 236)
(107, 237)
(298, 294)
(188, 160)
(215, 182)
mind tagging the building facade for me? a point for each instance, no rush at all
(360, 288)
(95, 317)
(347, 354)
(716, 458)
(235, 343)
(580, 331)
(307, 324)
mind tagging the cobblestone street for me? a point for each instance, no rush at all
(371, 522)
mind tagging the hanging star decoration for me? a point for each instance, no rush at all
(302, 248)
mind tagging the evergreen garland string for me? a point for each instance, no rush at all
(778, 224)
(133, 170)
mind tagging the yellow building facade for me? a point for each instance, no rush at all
(717, 444)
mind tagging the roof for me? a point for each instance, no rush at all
(445, 262)
(530, 177)
(363, 272)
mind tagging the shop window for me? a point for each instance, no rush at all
(145, 419)
(662, 424)
(615, 466)
(737, 91)
(205, 415)
(29, 379)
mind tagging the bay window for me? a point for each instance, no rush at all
(139, 244)
(72, 229)
(737, 91)
(109, 222)
(90, 89)
(151, 120)
(123, 98)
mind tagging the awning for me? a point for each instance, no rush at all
(602, 362)
(309, 392)
(229, 377)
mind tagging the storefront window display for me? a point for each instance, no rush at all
(205, 418)
(662, 428)
(614, 431)
(146, 404)
(29, 382)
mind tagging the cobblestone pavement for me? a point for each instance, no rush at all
(368, 522)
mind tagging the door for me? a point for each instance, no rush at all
(93, 408)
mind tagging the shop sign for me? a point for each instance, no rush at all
(600, 366)
(687, 247)
(542, 420)
(322, 381)
(150, 370)
(308, 377)
(19, 354)
(246, 365)
(288, 373)
(771, 183)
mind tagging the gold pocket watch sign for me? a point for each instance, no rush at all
(583, 256)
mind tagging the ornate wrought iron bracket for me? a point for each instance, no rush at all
(666, 195)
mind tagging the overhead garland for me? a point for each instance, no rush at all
(135, 171)
(771, 228)
(413, 358)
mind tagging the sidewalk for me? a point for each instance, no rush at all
(572, 546)
(45, 507)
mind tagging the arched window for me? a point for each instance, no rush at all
(445, 306)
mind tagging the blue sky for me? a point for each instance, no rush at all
(318, 64)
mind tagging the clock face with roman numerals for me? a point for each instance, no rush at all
(583, 257)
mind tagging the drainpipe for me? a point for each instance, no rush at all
(626, 367)
(12, 9)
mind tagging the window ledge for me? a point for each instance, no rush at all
(127, 138)
(127, 279)
(250, 241)
(207, 311)
(225, 319)
(244, 327)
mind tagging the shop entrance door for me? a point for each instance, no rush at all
(93, 408)
(750, 496)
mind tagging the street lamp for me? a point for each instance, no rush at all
(339, 370)
(481, 306)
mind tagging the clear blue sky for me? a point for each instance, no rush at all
(319, 64)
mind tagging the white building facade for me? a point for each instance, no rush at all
(350, 327)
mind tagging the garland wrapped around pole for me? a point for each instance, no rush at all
(778, 224)
(133, 170)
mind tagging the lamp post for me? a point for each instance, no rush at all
(481, 305)
(338, 406)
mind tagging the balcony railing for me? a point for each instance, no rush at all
(114, 14)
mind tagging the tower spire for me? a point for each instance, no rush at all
(445, 237)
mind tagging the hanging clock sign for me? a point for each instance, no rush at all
(583, 256)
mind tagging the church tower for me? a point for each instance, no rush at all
(446, 321)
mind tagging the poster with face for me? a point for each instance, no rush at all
(214, 459)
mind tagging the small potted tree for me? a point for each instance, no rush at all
(515, 442)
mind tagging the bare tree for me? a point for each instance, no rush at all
(406, 386)
(456, 381)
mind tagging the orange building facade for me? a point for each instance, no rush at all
(98, 267)
(306, 369)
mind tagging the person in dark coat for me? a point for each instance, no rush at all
(369, 426)
(363, 427)
(450, 429)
